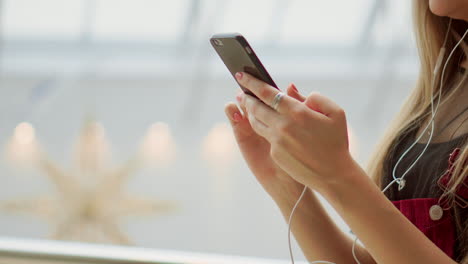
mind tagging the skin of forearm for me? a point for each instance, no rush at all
(316, 234)
(386, 233)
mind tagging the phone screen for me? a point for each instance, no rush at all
(238, 56)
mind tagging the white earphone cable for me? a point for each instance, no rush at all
(401, 180)
(434, 112)
(439, 60)
(304, 191)
(290, 221)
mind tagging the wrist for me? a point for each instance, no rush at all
(350, 181)
(284, 189)
(309, 208)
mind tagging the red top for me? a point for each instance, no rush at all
(440, 231)
(420, 199)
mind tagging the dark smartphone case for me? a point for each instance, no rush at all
(238, 56)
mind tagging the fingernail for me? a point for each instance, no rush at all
(239, 75)
(239, 97)
(237, 117)
(294, 87)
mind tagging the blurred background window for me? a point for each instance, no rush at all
(112, 126)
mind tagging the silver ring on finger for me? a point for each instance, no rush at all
(277, 100)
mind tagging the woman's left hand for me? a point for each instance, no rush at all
(308, 139)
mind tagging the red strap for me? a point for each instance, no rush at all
(461, 193)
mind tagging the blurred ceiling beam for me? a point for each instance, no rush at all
(26, 58)
(366, 32)
(2, 37)
(89, 15)
(277, 20)
(200, 70)
(389, 70)
(191, 22)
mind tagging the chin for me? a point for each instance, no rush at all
(457, 9)
(442, 7)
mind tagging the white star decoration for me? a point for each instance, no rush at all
(90, 199)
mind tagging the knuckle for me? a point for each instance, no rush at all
(274, 153)
(299, 114)
(314, 95)
(283, 127)
(254, 109)
(340, 112)
(275, 140)
(247, 81)
(297, 110)
(264, 91)
(252, 121)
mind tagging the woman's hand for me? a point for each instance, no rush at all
(256, 150)
(308, 140)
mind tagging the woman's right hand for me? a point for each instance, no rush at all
(256, 151)
(323, 239)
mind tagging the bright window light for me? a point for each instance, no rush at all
(387, 29)
(251, 18)
(38, 19)
(324, 22)
(140, 20)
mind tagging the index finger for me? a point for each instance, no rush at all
(265, 92)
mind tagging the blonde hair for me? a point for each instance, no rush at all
(430, 33)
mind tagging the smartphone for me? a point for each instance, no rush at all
(238, 56)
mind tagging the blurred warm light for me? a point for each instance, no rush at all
(218, 151)
(22, 148)
(92, 150)
(219, 145)
(353, 143)
(24, 133)
(158, 147)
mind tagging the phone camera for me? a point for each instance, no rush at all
(217, 42)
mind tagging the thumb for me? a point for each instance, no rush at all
(323, 105)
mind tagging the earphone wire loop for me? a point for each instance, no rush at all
(400, 180)
(433, 112)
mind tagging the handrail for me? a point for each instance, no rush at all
(74, 252)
